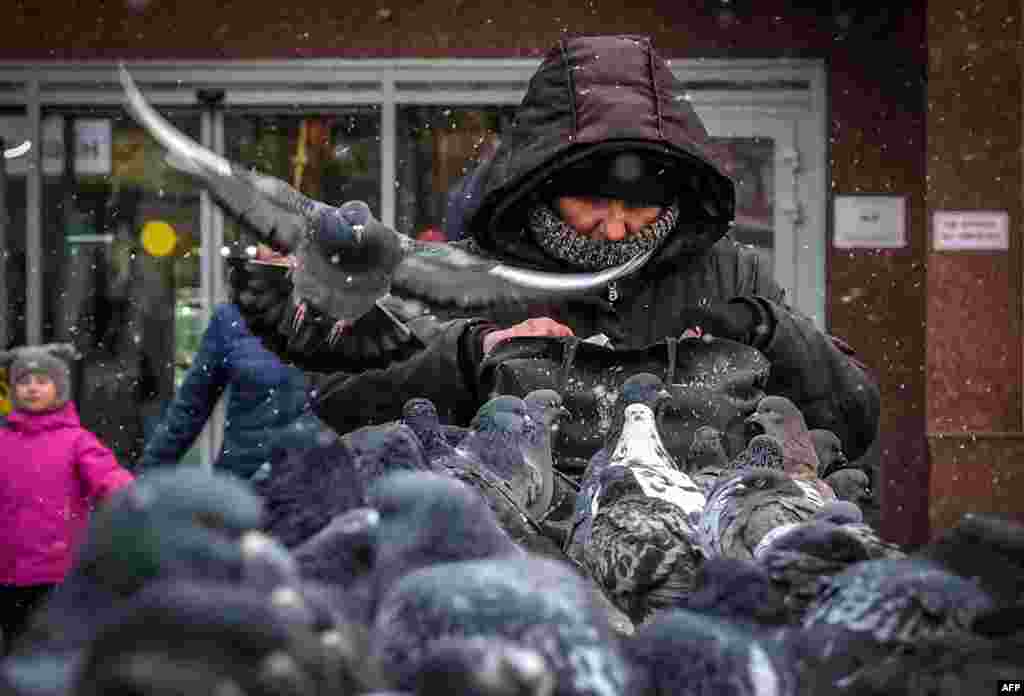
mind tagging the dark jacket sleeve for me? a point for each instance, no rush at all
(444, 372)
(819, 373)
(186, 415)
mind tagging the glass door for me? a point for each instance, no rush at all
(121, 240)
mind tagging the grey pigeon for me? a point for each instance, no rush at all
(898, 601)
(347, 260)
(545, 409)
(498, 443)
(342, 551)
(799, 560)
(748, 504)
(541, 605)
(182, 523)
(988, 549)
(763, 451)
(483, 666)
(829, 449)
(644, 546)
(379, 450)
(641, 388)
(706, 453)
(880, 612)
(683, 652)
(945, 666)
(421, 416)
(738, 591)
(779, 417)
(851, 519)
(852, 485)
(187, 638)
(423, 519)
(876, 609)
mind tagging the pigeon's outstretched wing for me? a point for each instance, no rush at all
(346, 259)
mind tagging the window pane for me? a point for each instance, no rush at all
(751, 164)
(121, 241)
(14, 130)
(437, 147)
(332, 157)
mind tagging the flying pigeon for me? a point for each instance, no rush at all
(683, 652)
(643, 548)
(540, 605)
(829, 449)
(747, 505)
(346, 259)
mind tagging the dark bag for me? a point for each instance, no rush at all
(714, 382)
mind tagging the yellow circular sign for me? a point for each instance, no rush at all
(159, 238)
(5, 397)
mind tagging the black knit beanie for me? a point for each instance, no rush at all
(639, 178)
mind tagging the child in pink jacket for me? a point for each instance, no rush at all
(52, 472)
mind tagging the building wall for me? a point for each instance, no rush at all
(877, 64)
(974, 298)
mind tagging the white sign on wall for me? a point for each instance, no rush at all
(869, 222)
(93, 143)
(958, 230)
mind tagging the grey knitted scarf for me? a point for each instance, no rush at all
(562, 242)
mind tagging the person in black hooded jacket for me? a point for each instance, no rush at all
(607, 159)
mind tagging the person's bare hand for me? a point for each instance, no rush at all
(537, 326)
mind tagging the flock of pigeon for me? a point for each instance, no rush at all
(417, 558)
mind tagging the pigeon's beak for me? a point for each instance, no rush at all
(754, 426)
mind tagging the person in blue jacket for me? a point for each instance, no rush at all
(266, 398)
